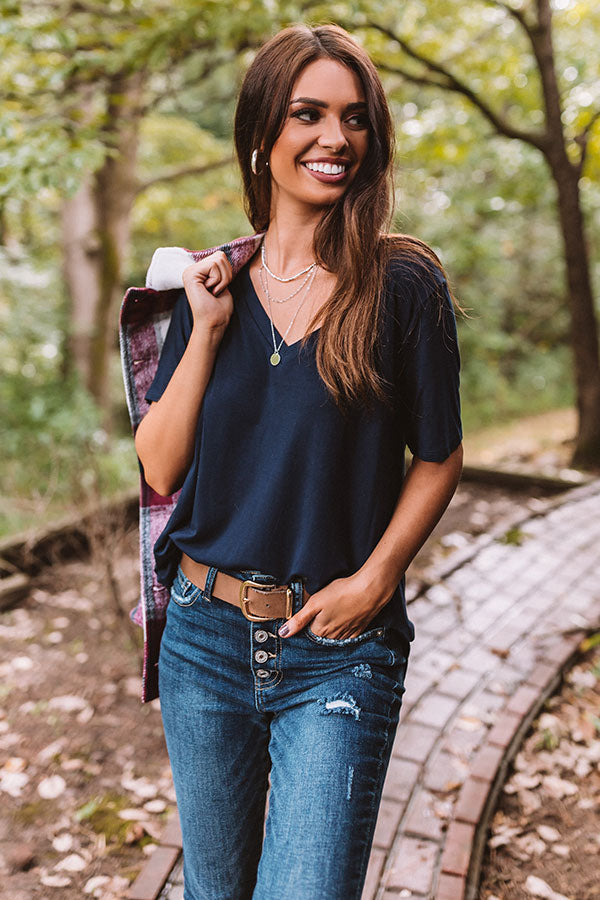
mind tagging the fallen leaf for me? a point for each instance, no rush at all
(531, 844)
(538, 888)
(552, 724)
(98, 881)
(15, 764)
(13, 782)
(133, 815)
(469, 723)
(67, 702)
(72, 765)
(71, 863)
(51, 750)
(55, 880)
(520, 781)
(63, 842)
(529, 801)
(558, 788)
(134, 833)
(155, 806)
(141, 787)
(547, 833)
(85, 715)
(51, 787)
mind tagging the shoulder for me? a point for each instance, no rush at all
(412, 266)
(415, 281)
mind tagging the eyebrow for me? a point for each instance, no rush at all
(360, 104)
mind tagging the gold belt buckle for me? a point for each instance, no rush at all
(244, 601)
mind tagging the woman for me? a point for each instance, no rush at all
(297, 365)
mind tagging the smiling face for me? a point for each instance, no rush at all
(324, 139)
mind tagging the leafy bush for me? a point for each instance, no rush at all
(56, 453)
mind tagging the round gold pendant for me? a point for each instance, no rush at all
(274, 358)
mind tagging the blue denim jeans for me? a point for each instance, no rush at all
(309, 719)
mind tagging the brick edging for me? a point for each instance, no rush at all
(466, 837)
(156, 869)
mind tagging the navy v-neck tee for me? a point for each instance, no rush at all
(280, 481)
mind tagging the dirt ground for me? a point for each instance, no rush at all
(85, 777)
(84, 773)
(545, 835)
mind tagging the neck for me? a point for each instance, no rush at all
(289, 240)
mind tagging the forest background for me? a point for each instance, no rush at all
(116, 138)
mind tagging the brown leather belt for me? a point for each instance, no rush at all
(258, 602)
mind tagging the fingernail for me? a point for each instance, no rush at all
(283, 630)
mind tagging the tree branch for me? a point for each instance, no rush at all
(450, 82)
(583, 138)
(410, 76)
(182, 172)
(208, 68)
(517, 14)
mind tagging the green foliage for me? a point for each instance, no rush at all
(55, 451)
(547, 741)
(195, 211)
(101, 813)
(588, 643)
(491, 217)
(513, 536)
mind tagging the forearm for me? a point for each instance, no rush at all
(426, 492)
(165, 437)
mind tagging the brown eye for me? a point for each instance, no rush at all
(362, 121)
(302, 112)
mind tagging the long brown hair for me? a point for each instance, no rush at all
(351, 238)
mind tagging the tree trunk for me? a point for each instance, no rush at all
(115, 192)
(81, 249)
(584, 327)
(96, 231)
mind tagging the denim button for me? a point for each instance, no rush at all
(262, 673)
(261, 636)
(261, 656)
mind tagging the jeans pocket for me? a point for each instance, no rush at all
(368, 635)
(183, 592)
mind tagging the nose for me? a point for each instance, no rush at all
(332, 135)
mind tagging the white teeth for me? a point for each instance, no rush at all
(326, 168)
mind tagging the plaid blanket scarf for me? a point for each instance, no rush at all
(144, 318)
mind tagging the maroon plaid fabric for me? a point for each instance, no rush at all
(143, 322)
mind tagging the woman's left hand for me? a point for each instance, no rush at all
(342, 609)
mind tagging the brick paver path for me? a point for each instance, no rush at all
(493, 635)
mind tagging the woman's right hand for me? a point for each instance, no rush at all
(205, 284)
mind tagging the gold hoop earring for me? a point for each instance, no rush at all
(253, 160)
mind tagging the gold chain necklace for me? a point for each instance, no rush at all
(275, 357)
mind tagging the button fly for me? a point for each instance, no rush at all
(261, 656)
(262, 673)
(261, 636)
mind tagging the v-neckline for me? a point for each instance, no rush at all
(262, 319)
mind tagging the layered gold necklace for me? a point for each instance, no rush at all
(310, 273)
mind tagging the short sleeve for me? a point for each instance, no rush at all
(428, 370)
(176, 340)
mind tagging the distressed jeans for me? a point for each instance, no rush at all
(309, 719)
